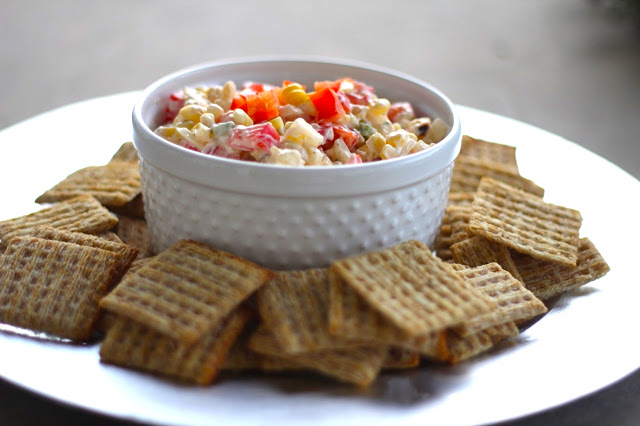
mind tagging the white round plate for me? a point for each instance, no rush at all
(582, 345)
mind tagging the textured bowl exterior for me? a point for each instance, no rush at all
(285, 217)
(291, 233)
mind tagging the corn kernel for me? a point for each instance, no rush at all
(207, 119)
(376, 142)
(166, 131)
(202, 135)
(379, 107)
(241, 118)
(294, 94)
(186, 124)
(289, 157)
(191, 113)
(215, 110)
(278, 124)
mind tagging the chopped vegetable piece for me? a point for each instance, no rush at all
(286, 83)
(259, 137)
(262, 106)
(328, 105)
(333, 132)
(400, 111)
(239, 101)
(175, 104)
(251, 88)
(342, 122)
(361, 93)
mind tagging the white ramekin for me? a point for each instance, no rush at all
(286, 217)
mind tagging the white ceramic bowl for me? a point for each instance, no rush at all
(286, 217)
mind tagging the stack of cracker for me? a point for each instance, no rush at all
(383, 309)
(496, 215)
(83, 266)
(179, 313)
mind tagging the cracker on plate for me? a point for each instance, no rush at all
(54, 286)
(82, 214)
(549, 279)
(523, 222)
(351, 317)
(113, 184)
(467, 173)
(186, 290)
(491, 152)
(359, 365)
(456, 348)
(294, 306)
(127, 153)
(477, 251)
(411, 288)
(515, 302)
(127, 253)
(134, 345)
(134, 232)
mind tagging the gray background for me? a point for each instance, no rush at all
(571, 67)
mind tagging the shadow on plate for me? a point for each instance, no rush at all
(426, 383)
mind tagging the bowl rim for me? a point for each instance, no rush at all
(186, 157)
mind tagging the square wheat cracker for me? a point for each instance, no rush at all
(467, 173)
(515, 302)
(135, 232)
(127, 253)
(477, 251)
(82, 214)
(126, 153)
(525, 223)
(456, 349)
(479, 149)
(113, 184)
(353, 319)
(412, 288)
(443, 242)
(54, 286)
(133, 345)
(186, 290)
(293, 306)
(359, 365)
(458, 218)
(549, 279)
(400, 359)
(460, 198)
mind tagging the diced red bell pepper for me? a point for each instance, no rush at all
(259, 137)
(263, 106)
(190, 146)
(328, 105)
(400, 110)
(278, 93)
(175, 104)
(344, 100)
(240, 102)
(361, 93)
(333, 85)
(251, 88)
(350, 137)
(354, 159)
